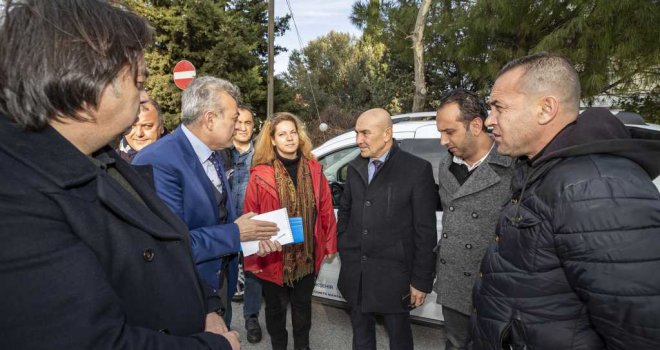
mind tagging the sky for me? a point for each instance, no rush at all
(315, 18)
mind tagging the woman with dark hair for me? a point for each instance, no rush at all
(285, 174)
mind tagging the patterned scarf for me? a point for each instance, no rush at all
(299, 257)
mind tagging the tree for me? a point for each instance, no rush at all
(392, 23)
(597, 35)
(366, 15)
(345, 75)
(222, 38)
(418, 49)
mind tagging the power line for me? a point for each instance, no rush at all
(309, 80)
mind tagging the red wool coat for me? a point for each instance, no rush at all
(261, 197)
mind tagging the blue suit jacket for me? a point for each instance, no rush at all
(184, 186)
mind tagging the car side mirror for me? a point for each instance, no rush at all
(336, 189)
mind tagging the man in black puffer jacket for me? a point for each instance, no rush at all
(577, 254)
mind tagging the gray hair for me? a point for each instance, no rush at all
(546, 71)
(200, 97)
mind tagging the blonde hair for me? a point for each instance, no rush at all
(264, 151)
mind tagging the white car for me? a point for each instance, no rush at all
(417, 134)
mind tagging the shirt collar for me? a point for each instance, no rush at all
(202, 151)
(249, 150)
(381, 158)
(125, 147)
(458, 160)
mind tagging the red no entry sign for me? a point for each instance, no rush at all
(184, 73)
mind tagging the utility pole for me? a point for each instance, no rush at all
(271, 54)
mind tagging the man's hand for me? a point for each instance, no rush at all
(215, 324)
(255, 230)
(416, 297)
(232, 336)
(267, 246)
(329, 257)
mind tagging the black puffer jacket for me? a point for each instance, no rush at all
(576, 264)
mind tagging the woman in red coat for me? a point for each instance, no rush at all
(285, 174)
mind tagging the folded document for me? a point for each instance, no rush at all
(291, 230)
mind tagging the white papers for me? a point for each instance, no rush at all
(284, 235)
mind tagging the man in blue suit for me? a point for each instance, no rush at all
(190, 178)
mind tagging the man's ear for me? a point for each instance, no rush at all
(388, 133)
(548, 109)
(476, 126)
(208, 120)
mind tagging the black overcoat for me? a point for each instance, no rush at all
(83, 263)
(386, 232)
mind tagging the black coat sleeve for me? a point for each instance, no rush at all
(55, 291)
(607, 235)
(344, 211)
(424, 203)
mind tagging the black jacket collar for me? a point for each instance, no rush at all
(48, 153)
(360, 164)
(56, 159)
(597, 131)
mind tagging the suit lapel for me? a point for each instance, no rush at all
(149, 196)
(193, 163)
(130, 209)
(360, 165)
(231, 214)
(484, 176)
(445, 177)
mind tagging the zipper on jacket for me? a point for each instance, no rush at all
(506, 333)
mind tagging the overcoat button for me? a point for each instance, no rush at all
(443, 261)
(451, 208)
(444, 235)
(475, 215)
(514, 200)
(148, 255)
(364, 258)
(365, 231)
(467, 274)
(468, 246)
(367, 203)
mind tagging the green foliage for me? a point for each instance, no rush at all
(612, 43)
(222, 38)
(347, 77)
(648, 106)
(366, 15)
